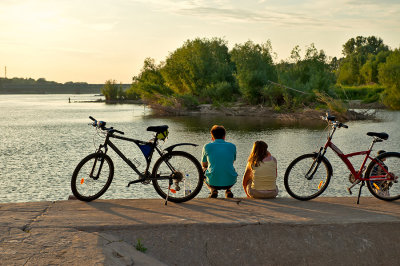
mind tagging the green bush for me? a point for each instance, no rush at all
(254, 68)
(366, 93)
(389, 75)
(189, 101)
(112, 90)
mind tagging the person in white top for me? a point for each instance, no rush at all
(259, 179)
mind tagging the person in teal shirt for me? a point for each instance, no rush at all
(218, 157)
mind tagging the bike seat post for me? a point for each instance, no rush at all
(373, 143)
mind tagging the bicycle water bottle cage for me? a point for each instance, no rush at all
(382, 135)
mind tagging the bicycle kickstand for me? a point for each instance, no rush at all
(359, 192)
(166, 199)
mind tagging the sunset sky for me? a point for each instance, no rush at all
(96, 40)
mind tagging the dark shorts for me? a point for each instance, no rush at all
(219, 187)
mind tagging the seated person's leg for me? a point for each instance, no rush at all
(261, 194)
(228, 193)
(213, 191)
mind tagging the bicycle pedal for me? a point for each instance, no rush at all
(349, 190)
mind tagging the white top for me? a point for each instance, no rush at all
(264, 176)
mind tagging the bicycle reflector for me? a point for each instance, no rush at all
(162, 135)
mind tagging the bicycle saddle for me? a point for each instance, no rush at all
(382, 135)
(158, 128)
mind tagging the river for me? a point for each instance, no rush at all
(43, 138)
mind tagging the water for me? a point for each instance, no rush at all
(43, 138)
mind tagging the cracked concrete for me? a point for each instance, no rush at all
(27, 227)
(328, 231)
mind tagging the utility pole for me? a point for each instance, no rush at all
(5, 71)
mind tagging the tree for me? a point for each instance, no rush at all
(358, 52)
(364, 45)
(308, 74)
(200, 67)
(111, 90)
(254, 68)
(369, 71)
(149, 84)
(389, 75)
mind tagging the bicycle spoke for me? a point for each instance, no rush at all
(92, 177)
(185, 178)
(299, 184)
(384, 177)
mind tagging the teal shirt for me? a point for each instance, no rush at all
(220, 156)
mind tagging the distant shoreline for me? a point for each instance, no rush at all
(43, 86)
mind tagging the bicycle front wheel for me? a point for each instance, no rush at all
(305, 179)
(384, 178)
(92, 176)
(179, 172)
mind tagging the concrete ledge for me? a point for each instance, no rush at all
(283, 231)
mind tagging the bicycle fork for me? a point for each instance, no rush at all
(94, 167)
(314, 166)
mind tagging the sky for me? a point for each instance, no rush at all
(97, 40)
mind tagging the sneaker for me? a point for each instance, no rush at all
(213, 194)
(228, 194)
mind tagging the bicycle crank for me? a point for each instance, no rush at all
(353, 185)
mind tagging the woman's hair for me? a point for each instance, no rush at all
(258, 153)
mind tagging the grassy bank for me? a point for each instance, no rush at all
(364, 93)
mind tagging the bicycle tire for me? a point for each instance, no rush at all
(82, 182)
(385, 190)
(296, 183)
(188, 172)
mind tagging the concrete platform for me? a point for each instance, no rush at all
(283, 231)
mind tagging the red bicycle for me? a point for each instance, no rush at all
(308, 176)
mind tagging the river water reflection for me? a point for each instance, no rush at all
(44, 137)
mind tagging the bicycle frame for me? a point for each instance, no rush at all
(344, 157)
(153, 145)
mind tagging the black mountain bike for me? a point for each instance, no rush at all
(177, 176)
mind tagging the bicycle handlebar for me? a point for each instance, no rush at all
(330, 118)
(102, 126)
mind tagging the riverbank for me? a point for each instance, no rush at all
(304, 115)
(283, 231)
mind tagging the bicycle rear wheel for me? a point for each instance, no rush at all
(296, 182)
(388, 169)
(183, 171)
(92, 176)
